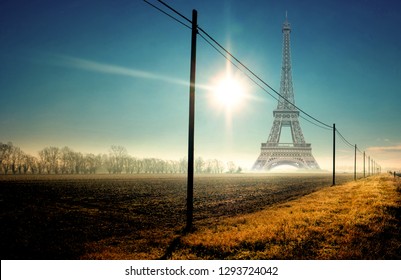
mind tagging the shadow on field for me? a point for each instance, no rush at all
(172, 247)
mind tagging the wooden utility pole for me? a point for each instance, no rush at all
(371, 165)
(355, 164)
(191, 130)
(334, 154)
(364, 164)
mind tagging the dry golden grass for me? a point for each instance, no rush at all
(357, 220)
(151, 245)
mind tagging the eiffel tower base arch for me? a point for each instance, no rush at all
(299, 156)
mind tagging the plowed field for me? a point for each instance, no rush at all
(73, 217)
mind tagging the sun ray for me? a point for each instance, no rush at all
(228, 90)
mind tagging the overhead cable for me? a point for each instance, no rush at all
(323, 127)
(227, 55)
(167, 14)
(236, 66)
(258, 78)
(175, 11)
(233, 57)
(345, 140)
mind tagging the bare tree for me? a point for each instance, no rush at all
(107, 163)
(231, 167)
(174, 166)
(26, 163)
(199, 165)
(129, 164)
(117, 155)
(91, 163)
(50, 157)
(31, 163)
(148, 165)
(79, 162)
(67, 160)
(15, 159)
(5, 155)
(219, 166)
(41, 163)
(161, 166)
(209, 166)
(53, 160)
(183, 165)
(138, 165)
(214, 166)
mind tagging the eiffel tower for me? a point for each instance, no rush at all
(298, 153)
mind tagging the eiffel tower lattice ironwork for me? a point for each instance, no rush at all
(298, 153)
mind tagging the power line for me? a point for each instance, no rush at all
(226, 54)
(167, 14)
(320, 126)
(175, 11)
(347, 142)
(254, 81)
(258, 78)
(344, 140)
(206, 40)
(236, 66)
(233, 57)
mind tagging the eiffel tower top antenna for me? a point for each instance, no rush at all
(286, 24)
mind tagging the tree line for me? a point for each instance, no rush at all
(55, 160)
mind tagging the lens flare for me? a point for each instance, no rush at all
(229, 92)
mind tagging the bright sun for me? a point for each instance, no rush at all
(229, 92)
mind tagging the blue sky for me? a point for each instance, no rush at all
(90, 74)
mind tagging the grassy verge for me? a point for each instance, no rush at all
(357, 220)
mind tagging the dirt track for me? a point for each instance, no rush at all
(55, 217)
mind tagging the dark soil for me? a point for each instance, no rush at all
(55, 217)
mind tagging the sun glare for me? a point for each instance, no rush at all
(228, 92)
